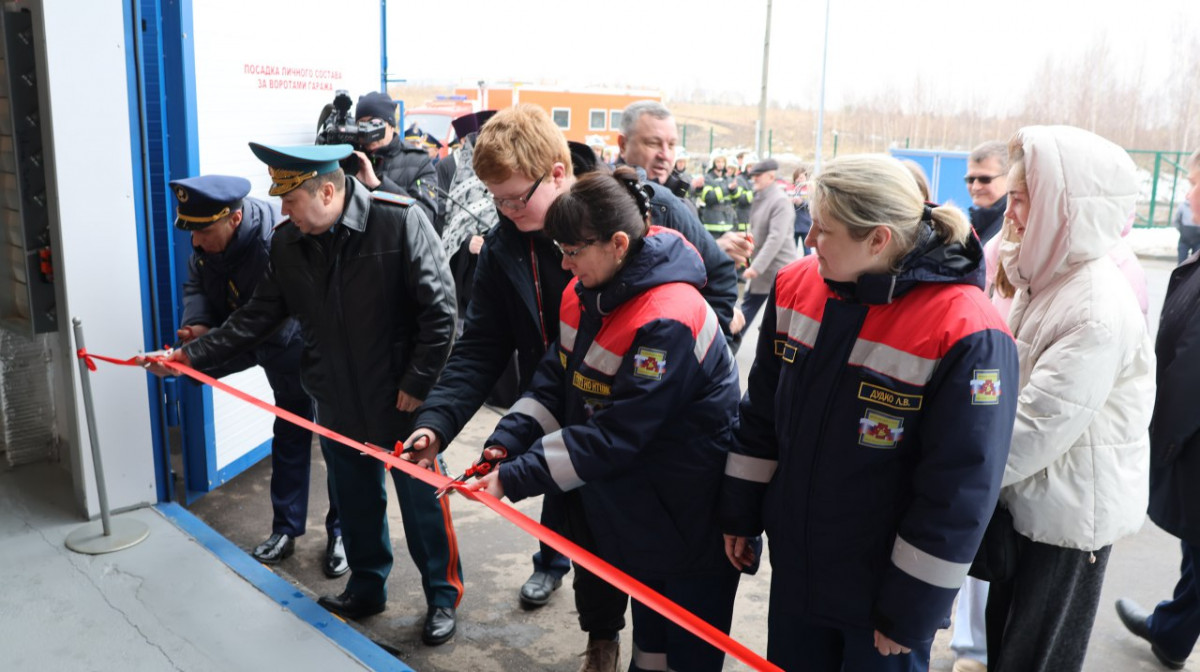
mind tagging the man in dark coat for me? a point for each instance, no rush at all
(364, 275)
(231, 240)
(1174, 626)
(390, 164)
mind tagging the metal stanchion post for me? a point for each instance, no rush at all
(108, 534)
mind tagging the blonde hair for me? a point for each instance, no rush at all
(520, 139)
(1194, 161)
(866, 191)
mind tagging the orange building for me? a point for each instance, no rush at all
(585, 115)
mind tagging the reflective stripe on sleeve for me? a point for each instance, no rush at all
(889, 361)
(651, 662)
(708, 332)
(928, 568)
(558, 460)
(602, 360)
(748, 468)
(566, 335)
(535, 409)
(798, 326)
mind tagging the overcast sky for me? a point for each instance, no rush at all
(979, 49)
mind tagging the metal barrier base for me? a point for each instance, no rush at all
(124, 533)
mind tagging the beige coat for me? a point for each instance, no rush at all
(1077, 473)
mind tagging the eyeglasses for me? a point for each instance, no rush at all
(571, 254)
(982, 179)
(518, 204)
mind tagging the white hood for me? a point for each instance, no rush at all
(1082, 189)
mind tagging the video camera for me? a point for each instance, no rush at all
(336, 126)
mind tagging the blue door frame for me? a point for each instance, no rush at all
(163, 111)
(164, 125)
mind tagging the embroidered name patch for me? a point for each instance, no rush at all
(985, 387)
(591, 386)
(879, 430)
(649, 363)
(889, 398)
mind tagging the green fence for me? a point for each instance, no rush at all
(1167, 185)
(1158, 198)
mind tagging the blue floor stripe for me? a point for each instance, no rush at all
(284, 593)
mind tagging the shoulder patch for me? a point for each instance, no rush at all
(394, 199)
(985, 387)
(649, 363)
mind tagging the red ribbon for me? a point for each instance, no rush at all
(627, 584)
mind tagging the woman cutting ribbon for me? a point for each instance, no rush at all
(631, 414)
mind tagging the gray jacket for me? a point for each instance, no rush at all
(771, 222)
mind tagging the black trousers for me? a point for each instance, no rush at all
(1175, 623)
(1041, 619)
(601, 607)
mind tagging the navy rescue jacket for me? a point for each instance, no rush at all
(873, 437)
(219, 284)
(634, 406)
(508, 310)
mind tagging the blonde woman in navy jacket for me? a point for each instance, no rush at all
(875, 426)
(631, 414)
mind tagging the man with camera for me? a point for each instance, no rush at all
(381, 160)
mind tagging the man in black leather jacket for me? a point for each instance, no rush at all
(365, 276)
(389, 164)
(231, 243)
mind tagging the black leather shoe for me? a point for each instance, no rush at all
(275, 548)
(335, 558)
(439, 626)
(1133, 617)
(350, 605)
(536, 591)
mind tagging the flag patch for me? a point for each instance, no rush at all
(879, 430)
(985, 387)
(649, 363)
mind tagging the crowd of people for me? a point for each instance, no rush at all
(934, 394)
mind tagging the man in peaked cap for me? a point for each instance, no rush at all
(418, 137)
(364, 275)
(231, 239)
(391, 164)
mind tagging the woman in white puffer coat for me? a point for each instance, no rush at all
(1077, 473)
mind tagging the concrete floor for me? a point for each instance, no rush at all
(182, 599)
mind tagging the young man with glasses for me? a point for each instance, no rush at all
(525, 162)
(987, 180)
